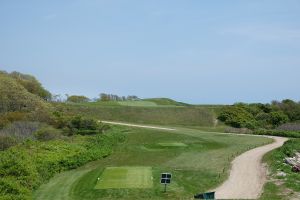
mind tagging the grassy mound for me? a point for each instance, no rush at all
(14, 97)
(165, 102)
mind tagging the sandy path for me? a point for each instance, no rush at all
(248, 174)
(140, 126)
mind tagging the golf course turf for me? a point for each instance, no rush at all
(125, 177)
(198, 161)
(172, 144)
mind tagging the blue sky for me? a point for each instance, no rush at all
(198, 51)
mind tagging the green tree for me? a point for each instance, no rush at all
(77, 99)
(31, 84)
(14, 97)
(237, 116)
(278, 118)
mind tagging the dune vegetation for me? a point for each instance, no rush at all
(52, 148)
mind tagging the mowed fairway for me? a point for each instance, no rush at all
(198, 160)
(172, 144)
(125, 177)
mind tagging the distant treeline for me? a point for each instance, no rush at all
(102, 97)
(113, 97)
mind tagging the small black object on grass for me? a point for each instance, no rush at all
(207, 196)
(165, 179)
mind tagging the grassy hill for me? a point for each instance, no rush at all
(15, 97)
(138, 103)
(165, 102)
(144, 114)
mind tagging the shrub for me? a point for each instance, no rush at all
(11, 189)
(14, 97)
(6, 142)
(254, 116)
(78, 99)
(20, 130)
(26, 166)
(77, 124)
(278, 118)
(47, 133)
(237, 117)
(9, 117)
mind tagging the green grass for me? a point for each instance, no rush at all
(152, 102)
(125, 177)
(165, 102)
(291, 182)
(172, 144)
(179, 116)
(137, 103)
(271, 191)
(198, 167)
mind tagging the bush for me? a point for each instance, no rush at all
(77, 124)
(237, 117)
(21, 130)
(278, 118)
(15, 98)
(6, 142)
(10, 117)
(78, 99)
(11, 189)
(47, 133)
(253, 116)
(25, 167)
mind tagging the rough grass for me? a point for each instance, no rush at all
(125, 177)
(182, 116)
(199, 167)
(282, 187)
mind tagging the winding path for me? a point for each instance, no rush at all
(248, 174)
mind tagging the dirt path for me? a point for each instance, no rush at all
(248, 174)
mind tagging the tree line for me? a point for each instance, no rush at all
(258, 115)
(102, 97)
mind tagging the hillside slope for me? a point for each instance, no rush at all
(175, 115)
(165, 101)
(14, 97)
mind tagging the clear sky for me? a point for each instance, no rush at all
(197, 51)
